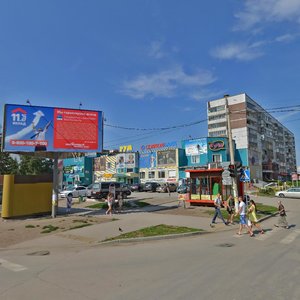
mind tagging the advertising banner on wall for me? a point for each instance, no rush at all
(126, 160)
(196, 147)
(147, 160)
(37, 128)
(167, 157)
(100, 163)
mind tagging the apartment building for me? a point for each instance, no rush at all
(262, 143)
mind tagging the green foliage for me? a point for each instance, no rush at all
(161, 229)
(49, 228)
(8, 165)
(30, 165)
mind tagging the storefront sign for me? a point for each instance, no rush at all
(159, 146)
(167, 157)
(127, 148)
(126, 160)
(216, 145)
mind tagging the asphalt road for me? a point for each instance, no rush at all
(212, 266)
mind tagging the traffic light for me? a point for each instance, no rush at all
(232, 170)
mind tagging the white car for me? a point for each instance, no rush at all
(73, 191)
(291, 193)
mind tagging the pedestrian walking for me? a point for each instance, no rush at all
(69, 203)
(120, 202)
(110, 200)
(230, 209)
(252, 216)
(243, 221)
(168, 189)
(282, 222)
(217, 204)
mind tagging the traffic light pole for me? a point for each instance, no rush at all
(231, 150)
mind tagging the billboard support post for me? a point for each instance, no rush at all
(55, 187)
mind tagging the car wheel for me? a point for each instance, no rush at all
(281, 195)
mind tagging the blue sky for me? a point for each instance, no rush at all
(151, 63)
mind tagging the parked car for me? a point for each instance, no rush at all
(137, 187)
(101, 189)
(125, 189)
(291, 193)
(183, 189)
(162, 187)
(150, 186)
(74, 191)
(89, 191)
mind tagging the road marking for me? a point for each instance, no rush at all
(291, 237)
(11, 266)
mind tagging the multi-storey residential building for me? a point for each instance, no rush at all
(262, 143)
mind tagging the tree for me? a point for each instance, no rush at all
(30, 165)
(8, 165)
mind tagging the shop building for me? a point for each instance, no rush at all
(104, 168)
(161, 162)
(262, 143)
(127, 167)
(78, 171)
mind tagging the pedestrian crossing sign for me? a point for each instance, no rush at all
(245, 175)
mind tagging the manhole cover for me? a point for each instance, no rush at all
(226, 245)
(39, 253)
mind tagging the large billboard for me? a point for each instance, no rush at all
(37, 128)
(167, 157)
(148, 160)
(126, 160)
(196, 147)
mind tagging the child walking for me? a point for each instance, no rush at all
(252, 216)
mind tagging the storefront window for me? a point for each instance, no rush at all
(172, 174)
(151, 174)
(195, 159)
(142, 175)
(161, 174)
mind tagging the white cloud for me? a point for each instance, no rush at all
(167, 83)
(257, 12)
(156, 50)
(238, 51)
(207, 94)
(285, 38)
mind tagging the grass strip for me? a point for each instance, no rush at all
(141, 203)
(157, 230)
(29, 226)
(49, 228)
(80, 226)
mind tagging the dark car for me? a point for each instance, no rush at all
(137, 187)
(163, 187)
(101, 189)
(150, 186)
(125, 189)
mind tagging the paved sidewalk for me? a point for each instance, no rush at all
(133, 219)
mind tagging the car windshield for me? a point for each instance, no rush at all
(69, 188)
(96, 186)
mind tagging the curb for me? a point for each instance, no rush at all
(153, 238)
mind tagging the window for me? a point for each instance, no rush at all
(217, 158)
(142, 175)
(217, 125)
(151, 174)
(172, 174)
(130, 170)
(108, 165)
(161, 174)
(216, 108)
(195, 159)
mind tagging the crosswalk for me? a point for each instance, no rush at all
(289, 238)
(11, 266)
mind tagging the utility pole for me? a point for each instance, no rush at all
(231, 150)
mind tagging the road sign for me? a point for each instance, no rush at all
(245, 176)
